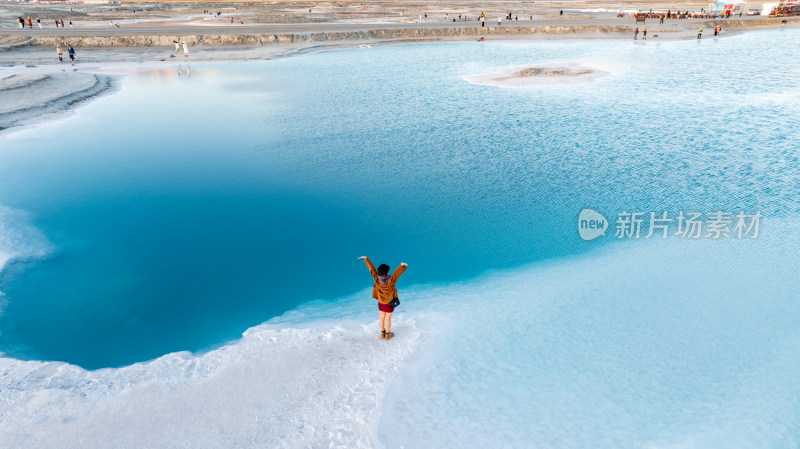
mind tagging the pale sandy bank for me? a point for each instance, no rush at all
(534, 75)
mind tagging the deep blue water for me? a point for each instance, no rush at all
(183, 210)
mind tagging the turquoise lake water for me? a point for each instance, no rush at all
(202, 199)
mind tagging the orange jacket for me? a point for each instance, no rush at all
(384, 293)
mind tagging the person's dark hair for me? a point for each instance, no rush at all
(383, 270)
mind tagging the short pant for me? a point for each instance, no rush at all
(385, 308)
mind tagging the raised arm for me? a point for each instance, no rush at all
(372, 271)
(399, 270)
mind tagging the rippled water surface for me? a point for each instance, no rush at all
(206, 198)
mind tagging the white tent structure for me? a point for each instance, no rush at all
(768, 8)
(728, 6)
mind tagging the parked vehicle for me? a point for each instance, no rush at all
(785, 10)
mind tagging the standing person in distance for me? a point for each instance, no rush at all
(385, 291)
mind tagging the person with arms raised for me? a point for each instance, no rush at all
(385, 291)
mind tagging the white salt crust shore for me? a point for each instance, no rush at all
(310, 386)
(28, 98)
(44, 88)
(541, 348)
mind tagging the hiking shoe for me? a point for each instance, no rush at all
(383, 335)
(388, 335)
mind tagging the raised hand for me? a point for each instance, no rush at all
(363, 257)
(403, 264)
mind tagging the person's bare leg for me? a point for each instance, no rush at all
(388, 321)
(383, 316)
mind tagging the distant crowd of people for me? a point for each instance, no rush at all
(29, 21)
(717, 30)
(182, 45)
(59, 21)
(481, 18)
(703, 14)
(509, 16)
